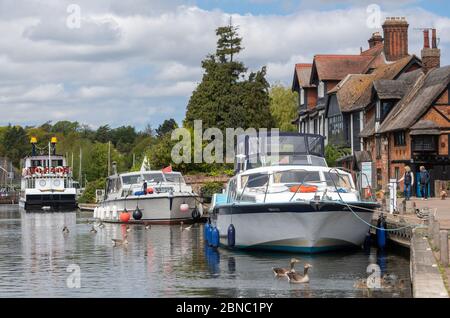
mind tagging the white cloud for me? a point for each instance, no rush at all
(138, 62)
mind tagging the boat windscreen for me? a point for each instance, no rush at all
(174, 177)
(132, 179)
(338, 180)
(296, 176)
(153, 177)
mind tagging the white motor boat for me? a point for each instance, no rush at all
(159, 197)
(289, 200)
(46, 182)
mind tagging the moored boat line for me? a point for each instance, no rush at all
(149, 196)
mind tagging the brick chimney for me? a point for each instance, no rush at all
(395, 31)
(431, 57)
(375, 40)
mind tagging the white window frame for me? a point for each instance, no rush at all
(321, 89)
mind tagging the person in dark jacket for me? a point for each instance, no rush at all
(408, 181)
(424, 179)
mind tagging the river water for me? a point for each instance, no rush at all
(37, 260)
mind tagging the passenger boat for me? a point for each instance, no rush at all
(150, 196)
(284, 197)
(46, 182)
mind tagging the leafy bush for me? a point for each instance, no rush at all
(88, 195)
(333, 153)
(209, 188)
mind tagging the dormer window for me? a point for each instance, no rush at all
(302, 96)
(321, 89)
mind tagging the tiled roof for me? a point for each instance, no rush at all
(417, 101)
(336, 67)
(355, 91)
(302, 75)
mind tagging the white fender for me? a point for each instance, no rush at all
(107, 213)
(114, 212)
(95, 212)
(102, 213)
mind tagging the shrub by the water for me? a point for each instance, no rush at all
(88, 195)
(208, 189)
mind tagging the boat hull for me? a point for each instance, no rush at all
(294, 227)
(155, 209)
(54, 201)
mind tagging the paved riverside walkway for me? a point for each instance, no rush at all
(422, 256)
(425, 276)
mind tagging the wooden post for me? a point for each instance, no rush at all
(430, 225)
(443, 235)
(403, 210)
(436, 239)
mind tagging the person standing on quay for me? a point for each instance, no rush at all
(408, 180)
(424, 179)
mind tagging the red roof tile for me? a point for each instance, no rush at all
(336, 67)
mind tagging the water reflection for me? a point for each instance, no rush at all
(164, 261)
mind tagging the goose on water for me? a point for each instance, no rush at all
(117, 242)
(282, 272)
(296, 278)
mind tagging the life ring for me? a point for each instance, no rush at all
(303, 189)
(59, 170)
(38, 170)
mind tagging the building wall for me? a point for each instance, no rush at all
(311, 97)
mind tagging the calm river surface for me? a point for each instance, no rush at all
(36, 260)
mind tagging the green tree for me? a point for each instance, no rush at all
(65, 127)
(166, 127)
(283, 106)
(224, 98)
(103, 133)
(16, 144)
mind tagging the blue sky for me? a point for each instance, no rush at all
(136, 62)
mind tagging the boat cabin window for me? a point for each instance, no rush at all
(338, 180)
(132, 179)
(153, 177)
(174, 177)
(296, 176)
(255, 180)
(113, 185)
(318, 161)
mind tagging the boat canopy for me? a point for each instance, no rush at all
(284, 148)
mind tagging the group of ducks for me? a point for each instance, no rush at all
(387, 281)
(291, 274)
(124, 241)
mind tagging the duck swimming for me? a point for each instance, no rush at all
(187, 228)
(148, 226)
(282, 272)
(65, 230)
(93, 230)
(117, 242)
(296, 278)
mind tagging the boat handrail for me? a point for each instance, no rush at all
(302, 182)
